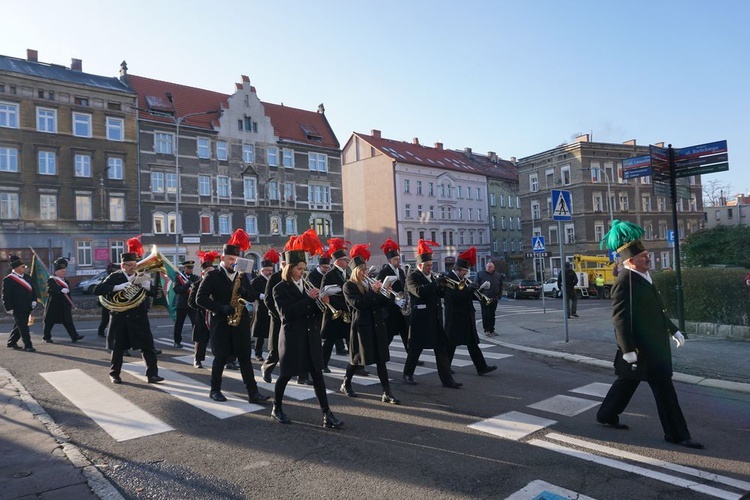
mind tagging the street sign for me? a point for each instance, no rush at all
(531, 255)
(537, 243)
(659, 161)
(562, 205)
(662, 188)
(670, 236)
(710, 148)
(639, 166)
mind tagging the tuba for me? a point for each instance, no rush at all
(134, 294)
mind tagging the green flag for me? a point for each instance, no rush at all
(39, 275)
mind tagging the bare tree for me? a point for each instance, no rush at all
(713, 192)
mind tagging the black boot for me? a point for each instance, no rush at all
(278, 414)
(330, 421)
(346, 388)
(388, 397)
(253, 396)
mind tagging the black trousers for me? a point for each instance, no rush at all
(319, 385)
(103, 322)
(476, 355)
(199, 349)
(246, 370)
(179, 321)
(20, 329)
(273, 347)
(488, 316)
(397, 324)
(442, 361)
(672, 420)
(149, 356)
(69, 327)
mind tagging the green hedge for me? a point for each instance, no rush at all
(709, 295)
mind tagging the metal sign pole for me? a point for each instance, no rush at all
(677, 266)
(562, 270)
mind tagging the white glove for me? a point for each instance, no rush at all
(65, 290)
(10, 312)
(146, 285)
(400, 303)
(484, 286)
(33, 304)
(141, 279)
(262, 296)
(630, 357)
(678, 338)
(121, 286)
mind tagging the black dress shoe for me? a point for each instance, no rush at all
(115, 379)
(574, 315)
(233, 366)
(342, 353)
(486, 370)
(155, 379)
(48, 341)
(217, 396)
(198, 364)
(267, 377)
(409, 380)
(453, 385)
(347, 390)
(12, 346)
(156, 351)
(259, 358)
(687, 443)
(28, 348)
(362, 372)
(388, 398)
(331, 422)
(280, 416)
(257, 397)
(326, 369)
(614, 425)
(177, 345)
(80, 337)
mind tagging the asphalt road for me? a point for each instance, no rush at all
(435, 445)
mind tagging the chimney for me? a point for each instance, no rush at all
(321, 109)
(439, 146)
(631, 142)
(375, 133)
(513, 159)
(76, 64)
(583, 138)
(123, 69)
(32, 55)
(467, 152)
(415, 141)
(659, 144)
(492, 156)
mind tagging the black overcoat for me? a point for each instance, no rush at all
(426, 325)
(275, 327)
(641, 325)
(460, 325)
(261, 323)
(58, 308)
(394, 318)
(368, 340)
(214, 293)
(316, 278)
(201, 332)
(131, 328)
(300, 350)
(17, 297)
(182, 291)
(333, 329)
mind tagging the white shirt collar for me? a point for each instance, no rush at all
(646, 276)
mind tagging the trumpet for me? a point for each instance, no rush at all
(478, 292)
(383, 290)
(309, 286)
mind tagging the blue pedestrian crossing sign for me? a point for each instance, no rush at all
(561, 205)
(537, 244)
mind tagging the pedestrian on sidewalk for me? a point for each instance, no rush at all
(599, 286)
(495, 291)
(569, 293)
(59, 307)
(643, 332)
(19, 299)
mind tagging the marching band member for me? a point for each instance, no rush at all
(19, 299)
(261, 317)
(221, 292)
(182, 291)
(130, 328)
(59, 308)
(395, 320)
(299, 339)
(272, 359)
(335, 329)
(201, 330)
(368, 341)
(316, 278)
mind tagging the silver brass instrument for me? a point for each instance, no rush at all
(318, 301)
(134, 294)
(482, 297)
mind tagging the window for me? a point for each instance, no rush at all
(251, 224)
(502, 201)
(503, 225)
(536, 212)
(318, 162)
(479, 214)
(163, 143)
(322, 226)
(83, 207)
(81, 101)
(624, 202)
(291, 225)
(117, 208)
(275, 225)
(46, 120)
(8, 115)
(533, 183)
(469, 213)
(115, 129)
(468, 193)
(518, 223)
(82, 165)
(598, 231)
(419, 187)
(407, 211)
(432, 212)
(248, 153)
(409, 240)
(116, 249)
(565, 174)
(272, 155)
(597, 201)
(505, 245)
(596, 174)
(419, 211)
(115, 170)
(172, 223)
(479, 194)
(47, 163)
(204, 185)
(511, 223)
(512, 246)
(459, 192)
(250, 188)
(553, 235)
(48, 206)
(421, 235)
(510, 202)
(407, 186)
(570, 234)
(222, 188)
(495, 246)
(460, 213)
(171, 182)
(203, 147)
(431, 189)
(549, 175)
(319, 196)
(289, 191)
(8, 159)
(646, 203)
(222, 151)
(225, 224)
(9, 206)
(461, 240)
(207, 224)
(159, 223)
(493, 222)
(81, 125)
(287, 157)
(493, 200)
(84, 253)
(665, 260)
(273, 190)
(481, 237)
(157, 182)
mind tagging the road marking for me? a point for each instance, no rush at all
(596, 389)
(545, 491)
(710, 476)
(431, 358)
(488, 355)
(340, 374)
(399, 369)
(169, 343)
(117, 416)
(634, 469)
(194, 393)
(513, 425)
(567, 406)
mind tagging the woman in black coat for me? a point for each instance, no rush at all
(299, 340)
(368, 340)
(59, 308)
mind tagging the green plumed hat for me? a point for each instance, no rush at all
(624, 238)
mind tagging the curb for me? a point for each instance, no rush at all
(95, 479)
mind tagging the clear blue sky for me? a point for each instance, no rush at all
(515, 77)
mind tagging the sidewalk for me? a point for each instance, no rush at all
(39, 461)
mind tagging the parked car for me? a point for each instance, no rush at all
(88, 285)
(550, 288)
(524, 288)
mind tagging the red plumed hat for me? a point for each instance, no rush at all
(238, 243)
(359, 254)
(467, 259)
(207, 258)
(270, 258)
(424, 252)
(337, 247)
(134, 249)
(325, 257)
(390, 248)
(297, 246)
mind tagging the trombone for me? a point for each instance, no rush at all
(318, 301)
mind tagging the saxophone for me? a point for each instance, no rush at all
(236, 302)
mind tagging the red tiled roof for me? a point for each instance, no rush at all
(292, 124)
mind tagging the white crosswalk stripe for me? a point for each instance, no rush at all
(567, 406)
(513, 425)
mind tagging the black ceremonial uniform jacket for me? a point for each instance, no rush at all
(17, 297)
(183, 291)
(300, 350)
(426, 325)
(58, 308)
(130, 328)
(333, 329)
(261, 317)
(459, 315)
(201, 331)
(393, 311)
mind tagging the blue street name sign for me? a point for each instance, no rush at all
(639, 166)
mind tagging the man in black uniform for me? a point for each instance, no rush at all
(272, 358)
(19, 299)
(182, 287)
(396, 322)
(201, 332)
(261, 317)
(104, 321)
(59, 307)
(219, 293)
(335, 329)
(129, 325)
